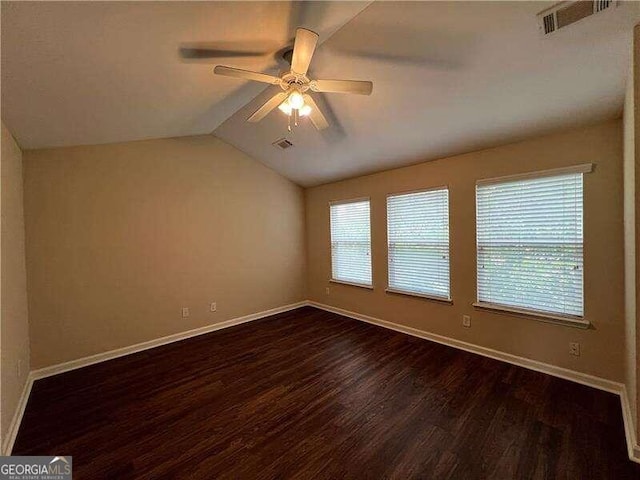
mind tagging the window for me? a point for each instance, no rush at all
(418, 243)
(351, 242)
(529, 242)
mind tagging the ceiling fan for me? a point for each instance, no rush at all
(295, 99)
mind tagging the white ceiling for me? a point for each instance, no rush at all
(449, 77)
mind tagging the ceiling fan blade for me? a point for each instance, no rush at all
(342, 86)
(303, 48)
(246, 74)
(201, 53)
(269, 105)
(420, 60)
(208, 50)
(316, 116)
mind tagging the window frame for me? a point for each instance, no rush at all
(557, 318)
(347, 282)
(389, 289)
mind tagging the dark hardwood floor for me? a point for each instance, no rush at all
(309, 394)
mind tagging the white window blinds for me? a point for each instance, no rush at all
(351, 242)
(529, 241)
(418, 242)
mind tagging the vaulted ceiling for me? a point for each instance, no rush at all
(449, 77)
(101, 72)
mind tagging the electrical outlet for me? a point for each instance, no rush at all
(328, 290)
(213, 307)
(466, 321)
(574, 348)
(185, 312)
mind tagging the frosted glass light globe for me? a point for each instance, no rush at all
(305, 110)
(295, 100)
(285, 108)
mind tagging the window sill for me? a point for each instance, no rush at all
(351, 284)
(425, 296)
(540, 316)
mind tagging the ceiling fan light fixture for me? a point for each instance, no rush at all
(296, 101)
(305, 110)
(285, 108)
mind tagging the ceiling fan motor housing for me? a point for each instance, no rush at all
(299, 82)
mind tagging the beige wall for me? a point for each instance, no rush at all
(14, 341)
(602, 352)
(120, 237)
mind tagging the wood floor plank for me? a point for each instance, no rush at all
(310, 394)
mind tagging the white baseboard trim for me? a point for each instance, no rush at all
(121, 352)
(564, 373)
(629, 428)
(139, 347)
(583, 378)
(17, 417)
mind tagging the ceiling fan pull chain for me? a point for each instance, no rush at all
(289, 123)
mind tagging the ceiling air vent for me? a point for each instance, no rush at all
(282, 144)
(564, 14)
(549, 23)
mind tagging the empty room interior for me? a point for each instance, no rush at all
(363, 240)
